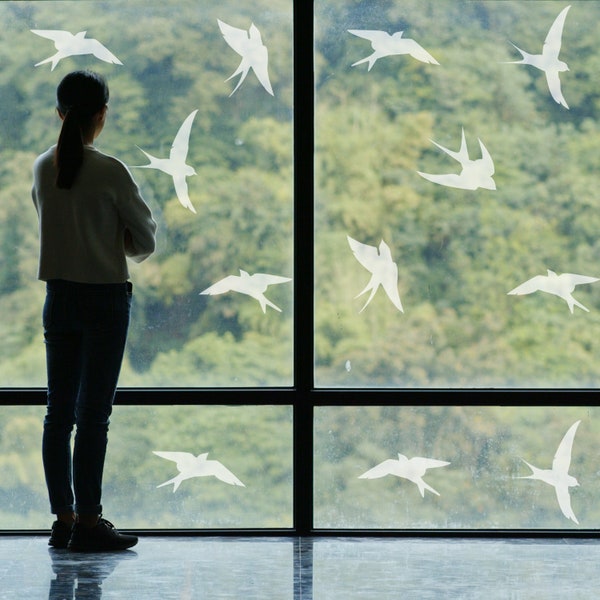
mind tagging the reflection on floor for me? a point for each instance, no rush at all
(291, 569)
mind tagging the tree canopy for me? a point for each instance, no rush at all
(458, 251)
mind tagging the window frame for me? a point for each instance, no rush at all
(303, 396)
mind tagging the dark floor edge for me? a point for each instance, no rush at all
(496, 534)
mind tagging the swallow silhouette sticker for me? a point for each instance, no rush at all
(412, 469)
(474, 174)
(384, 271)
(175, 165)
(548, 60)
(384, 44)
(68, 45)
(252, 285)
(558, 285)
(558, 476)
(255, 56)
(190, 466)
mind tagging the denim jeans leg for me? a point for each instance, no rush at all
(85, 329)
(105, 325)
(62, 361)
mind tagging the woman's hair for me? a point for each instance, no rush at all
(79, 96)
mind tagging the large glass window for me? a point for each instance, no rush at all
(168, 467)
(456, 467)
(214, 305)
(456, 194)
(448, 263)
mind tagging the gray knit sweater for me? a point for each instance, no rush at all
(82, 230)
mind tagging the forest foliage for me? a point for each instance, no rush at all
(458, 254)
(174, 62)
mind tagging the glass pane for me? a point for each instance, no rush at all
(456, 467)
(174, 61)
(166, 467)
(456, 194)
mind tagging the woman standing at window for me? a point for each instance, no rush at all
(91, 216)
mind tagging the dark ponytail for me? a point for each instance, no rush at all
(79, 96)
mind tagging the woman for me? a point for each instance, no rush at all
(91, 216)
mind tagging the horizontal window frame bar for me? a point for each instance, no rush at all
(540, 534)
(327, 397)
(592, 534)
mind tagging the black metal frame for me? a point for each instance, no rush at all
(303, 396)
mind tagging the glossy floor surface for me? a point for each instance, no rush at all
(291, 569)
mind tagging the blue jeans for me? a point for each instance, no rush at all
(85, 329)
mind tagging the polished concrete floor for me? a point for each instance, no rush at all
(290, 569)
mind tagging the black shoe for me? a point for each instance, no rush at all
(102, 537)
(60, 534)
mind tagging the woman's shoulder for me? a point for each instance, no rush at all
(107, 162)
(46, 156)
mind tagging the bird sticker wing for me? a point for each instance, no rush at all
(462, 156)
(221, 472)
(180, 147)
(260, 66)
(56, 35)
(449, 180)
(562, 458)
(370, 34)
(428, 463)
(181, 190)
(366, 255)
(564, 501)
(553, 40)
(574, 279)
(227, 284)
(486, 158)
(236, 38)
(381, 470)
(183, 460)
(266, 279)
(418, 52)
(102, 52)
(534, 284)
(553, 81)
(391, 289)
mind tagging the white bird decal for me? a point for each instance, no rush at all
(384, 271)
(190, 466)
(68, 44)
(412, 469)
(385, 44)
(255, 56)
(475, 173)
(252, 285)
(548, 60)
(559, 285)
(175, 165)
(558, 476)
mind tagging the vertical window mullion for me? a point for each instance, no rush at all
(303, 261)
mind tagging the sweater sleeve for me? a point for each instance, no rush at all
(140, 227)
